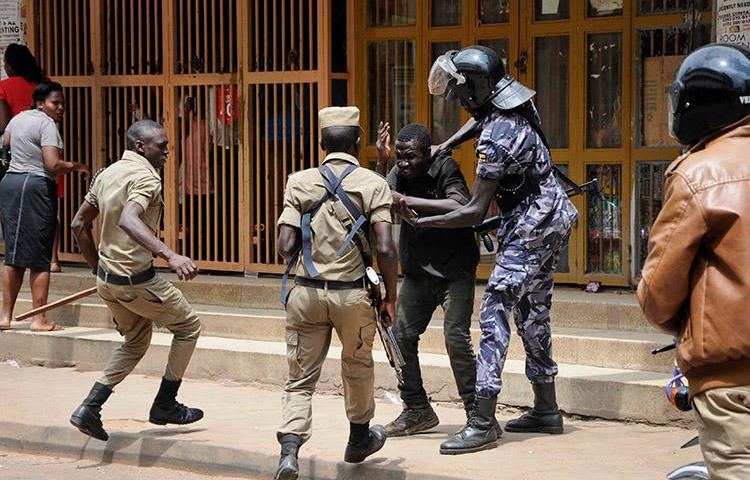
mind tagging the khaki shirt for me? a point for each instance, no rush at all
(132, 178)
(368, 190)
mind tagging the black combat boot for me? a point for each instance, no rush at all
(480, 433)
(87, 417)
(545, 417)
(411, 421)
(288, 467)
(363, 442)
(166, 409)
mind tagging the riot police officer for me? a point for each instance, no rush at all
(514, 166)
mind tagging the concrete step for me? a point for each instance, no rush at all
(593, 347)
(610, 310)
(611, 393)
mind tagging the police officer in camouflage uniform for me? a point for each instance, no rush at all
(514, 166)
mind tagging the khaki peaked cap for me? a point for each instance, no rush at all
(338, 117)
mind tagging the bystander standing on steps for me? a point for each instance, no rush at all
(696, 279)
(28, 210)
(24, 74)
(438, 267)
(128, 195)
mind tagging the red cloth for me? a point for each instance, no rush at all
(61, 186)
(17, 91)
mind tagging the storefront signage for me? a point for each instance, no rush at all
(732, 24)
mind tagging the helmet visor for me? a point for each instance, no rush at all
(675, 91)
(444, 71)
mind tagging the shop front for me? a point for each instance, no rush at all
(238, 85)
(600, 68)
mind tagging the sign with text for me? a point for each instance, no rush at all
(732, 22)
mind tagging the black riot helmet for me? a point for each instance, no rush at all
(476, 75)
(711, 91)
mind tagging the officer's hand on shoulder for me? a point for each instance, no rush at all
(183, 267)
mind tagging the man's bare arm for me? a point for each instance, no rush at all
(130, 221)
(468, 131)
(388, 266)
(288, 242)
(467, 215)
(424, 206)
(83, 235)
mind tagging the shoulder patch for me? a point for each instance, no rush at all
(482, 157)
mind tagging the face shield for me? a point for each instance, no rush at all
(442, 73)
(675, 91)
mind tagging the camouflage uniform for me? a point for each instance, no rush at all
(529, 244)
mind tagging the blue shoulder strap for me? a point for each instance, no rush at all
(333, 187)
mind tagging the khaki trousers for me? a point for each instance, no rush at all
(135, 309)
(311, 315)
(723, 416)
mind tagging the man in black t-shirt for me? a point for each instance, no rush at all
(439, 268)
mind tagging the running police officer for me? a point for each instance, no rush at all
(438, 268)
(514, 165)
(325, 223)
(128, 196)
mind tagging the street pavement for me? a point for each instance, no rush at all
(19, 466)
(237, 437)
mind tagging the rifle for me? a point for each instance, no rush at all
(395, 358)
(592, 187)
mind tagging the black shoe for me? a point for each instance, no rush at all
(480, 433)
(545, 417)
(411, 421)
(360, 448)
(87, 418)
(166, 409)
(288, 466)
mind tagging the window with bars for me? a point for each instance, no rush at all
(649, 195)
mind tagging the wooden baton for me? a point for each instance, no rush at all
(57, 303)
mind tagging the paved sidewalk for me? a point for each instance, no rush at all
(237, 436)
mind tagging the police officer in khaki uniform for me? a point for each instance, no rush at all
(128, 196)
(318, 222)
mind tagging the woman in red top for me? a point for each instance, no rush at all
(24, 75)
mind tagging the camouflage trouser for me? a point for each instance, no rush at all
(522, 282)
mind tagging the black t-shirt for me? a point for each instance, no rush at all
(442, 253)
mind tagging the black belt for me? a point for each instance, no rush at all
(136, 279)
(330, 284)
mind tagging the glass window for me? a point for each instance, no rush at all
(338, 36)
(446, 114)
(391, 13)
(391, 93)
(551, 10)
(604, 221)
(493, 11)
(551, 84)
(446, 13)
(604, 90)
(660, 53)
(649, 195)
(646, 7)
(604, 8)
(500, 45)
(563, 264)
(339, 93)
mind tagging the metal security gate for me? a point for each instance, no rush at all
(237, 85)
